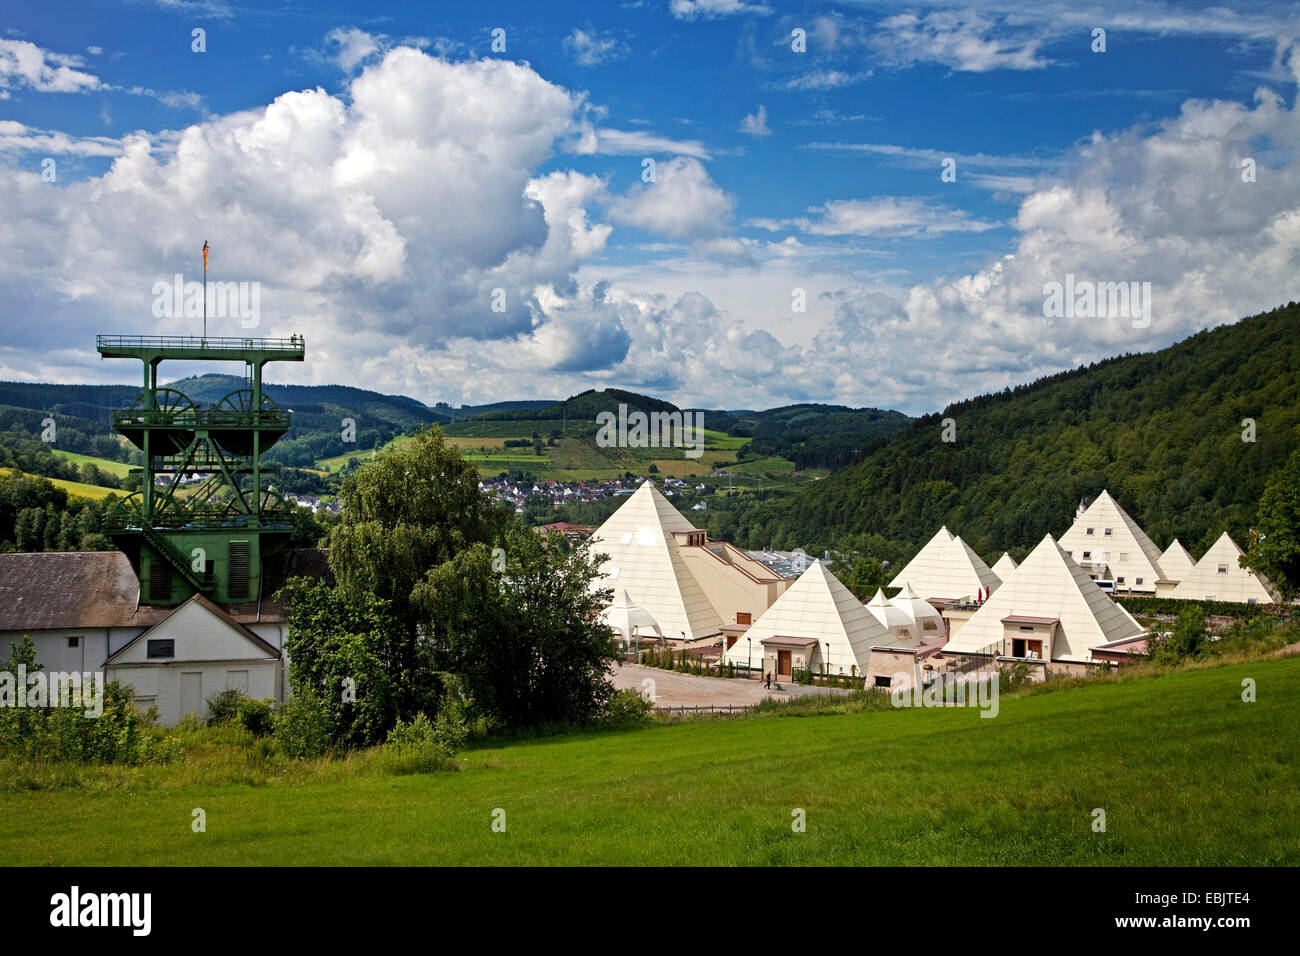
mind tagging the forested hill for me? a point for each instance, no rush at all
(1162, 431)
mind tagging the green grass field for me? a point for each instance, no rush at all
(1186, 772)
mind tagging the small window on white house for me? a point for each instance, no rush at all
(1108, 532)
(1123, 555)
(74, 642)
(161, 647)
(930, 625)
(1119, 580)
(1137, 580)
(1252, 600)
(1087, 555)
(1089, 531)
(1223, 569)
(882, 680)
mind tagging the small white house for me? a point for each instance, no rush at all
(195, 653)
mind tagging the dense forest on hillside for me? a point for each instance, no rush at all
(815, 436)
(1162, 431)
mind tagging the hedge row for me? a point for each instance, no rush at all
(1166, 605)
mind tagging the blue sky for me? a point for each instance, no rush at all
(380, 171)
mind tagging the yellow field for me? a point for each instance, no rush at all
(118, 469)
(81, 490)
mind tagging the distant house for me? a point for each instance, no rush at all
(84, 611)
(574, 532)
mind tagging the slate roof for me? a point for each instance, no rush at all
(57, 590)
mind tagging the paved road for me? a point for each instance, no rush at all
(674, 689)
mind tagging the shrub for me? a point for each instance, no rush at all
(451, 726)
(627, 707)
(255, 716)
(1185, 641)
(1013, 676)
(415, 747)
(302, 726)
(224, 707)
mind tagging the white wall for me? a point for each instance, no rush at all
(162, 686)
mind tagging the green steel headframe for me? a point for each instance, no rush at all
(212, 522)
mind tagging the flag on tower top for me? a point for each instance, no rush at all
(205, 255)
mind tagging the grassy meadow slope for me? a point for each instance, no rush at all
(1186, 772)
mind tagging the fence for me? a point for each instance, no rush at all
(972, 661)
(704, 709)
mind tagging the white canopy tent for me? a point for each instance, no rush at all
(628, 618)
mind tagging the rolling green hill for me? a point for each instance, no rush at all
(780, 447)
(1162, 431)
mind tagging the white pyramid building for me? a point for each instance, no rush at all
(946, 568)
(1049, 606)
(690, 587)
(645, 561)
(1176, 563)
(1004, 566)
(817, 620)
(1218, 577)
(1108, 544)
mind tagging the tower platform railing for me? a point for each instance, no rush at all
(230, 343)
